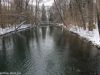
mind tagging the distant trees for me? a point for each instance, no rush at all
(60, 9)
(83, 13)
(18, 6)
(56, 10)
(44, 15)
(51, 16)
(13, 12)
(24, 10)
(76, 12)
(37, 11)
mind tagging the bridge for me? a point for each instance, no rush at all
(47, 23)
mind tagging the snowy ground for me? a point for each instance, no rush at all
(92, 36)
(13, 28)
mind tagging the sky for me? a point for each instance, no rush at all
(45, 2)
(48, 2)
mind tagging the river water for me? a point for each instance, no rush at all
(48, 51)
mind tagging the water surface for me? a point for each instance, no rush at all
(48, 51)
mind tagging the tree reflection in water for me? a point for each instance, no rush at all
(48, 51)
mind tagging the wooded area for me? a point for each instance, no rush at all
(84, 13)
(15, 11)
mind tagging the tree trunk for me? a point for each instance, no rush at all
(0, 6)
(98, 13)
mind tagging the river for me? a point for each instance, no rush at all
(48, 51)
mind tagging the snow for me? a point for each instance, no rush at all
(92, 36)
(61, 24)
(12, 28)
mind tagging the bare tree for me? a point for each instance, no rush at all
(0, 6)
(37, 10)
(59, 13)
(44, 16)
(98, 13)
(76, 12)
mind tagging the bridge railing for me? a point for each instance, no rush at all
(47, 23)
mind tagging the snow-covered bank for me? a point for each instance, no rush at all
(92, 36)
(13, 28)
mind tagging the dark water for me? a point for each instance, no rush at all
(48, 51)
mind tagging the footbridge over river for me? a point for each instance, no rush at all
(48, 23)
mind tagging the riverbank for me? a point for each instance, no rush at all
(91, 36)
(12, 29)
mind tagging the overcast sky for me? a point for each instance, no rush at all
(45, 2)
(48, 2)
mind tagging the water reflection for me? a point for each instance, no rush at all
(3, 59)
(51, 30)
(48, 51)
(44, 32)
(80, 57)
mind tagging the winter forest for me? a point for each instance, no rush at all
(83, 13)
(49, 37)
